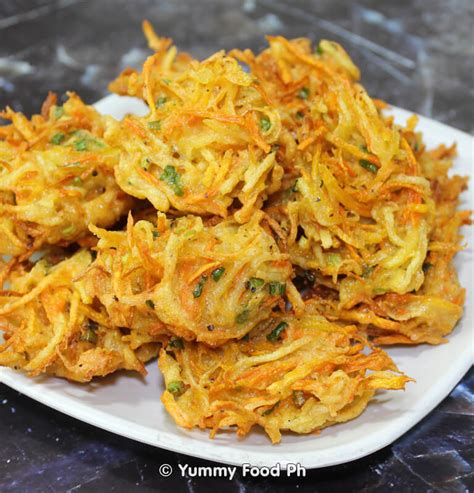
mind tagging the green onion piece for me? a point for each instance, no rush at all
(265, 123)
(217, 273)
(175, 388)
(303, 93)
(176, 342)
(276, 332)
(166, 81)
(161, 101)
(298, 398)
(368, 166)
(294, 188)
(199, 286)
(277, 288)
(56, 139)
(271, 409)
(80, 145)
(89, 335)
(171, 176)
(319, 49)
(150, 304)
(243, 316)
(334, 259)
(156, 125)
(254, 283)
(77, 181)
(58, 112)
(69, 230)
(155, 234)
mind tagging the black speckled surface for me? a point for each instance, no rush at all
(418, 54)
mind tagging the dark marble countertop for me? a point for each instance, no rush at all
(418, 54)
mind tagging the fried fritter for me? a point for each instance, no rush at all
(47, 328)
(206, 282)
(206, 146)
(56, 177)
(362, 201)
(292, 373)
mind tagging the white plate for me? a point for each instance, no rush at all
(130, 406)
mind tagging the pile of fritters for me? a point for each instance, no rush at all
(262, 229)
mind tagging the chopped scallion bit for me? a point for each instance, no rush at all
(56, 139)
(161, 101)
(368, 166)
(243, 316)
(171, 176)
(77, 181)
(80, 145)
(175, 388)
(197, 291)
(155, 234)
(277, 288)
(150, 304)
(319, 49)
(156, 125)
(303, 93)
(265, 123)
(58, 112)
(275, 334)
(254, 283)
(217, 273)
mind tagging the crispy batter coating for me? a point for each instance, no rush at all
(56, 177)
(292, 373)
(211, 283)
(47, 329)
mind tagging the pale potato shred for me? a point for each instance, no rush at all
(280, 228)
